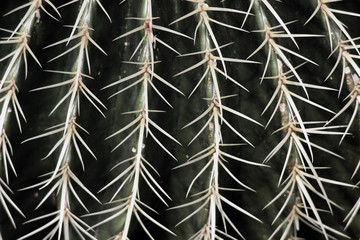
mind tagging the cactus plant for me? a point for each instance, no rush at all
(198, 119)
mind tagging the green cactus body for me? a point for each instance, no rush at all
(208, 119)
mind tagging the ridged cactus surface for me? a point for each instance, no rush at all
(169, 119)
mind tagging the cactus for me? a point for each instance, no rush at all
(201, 119)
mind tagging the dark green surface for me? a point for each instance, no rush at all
(106, 69)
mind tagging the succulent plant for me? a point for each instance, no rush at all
(198, 119)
